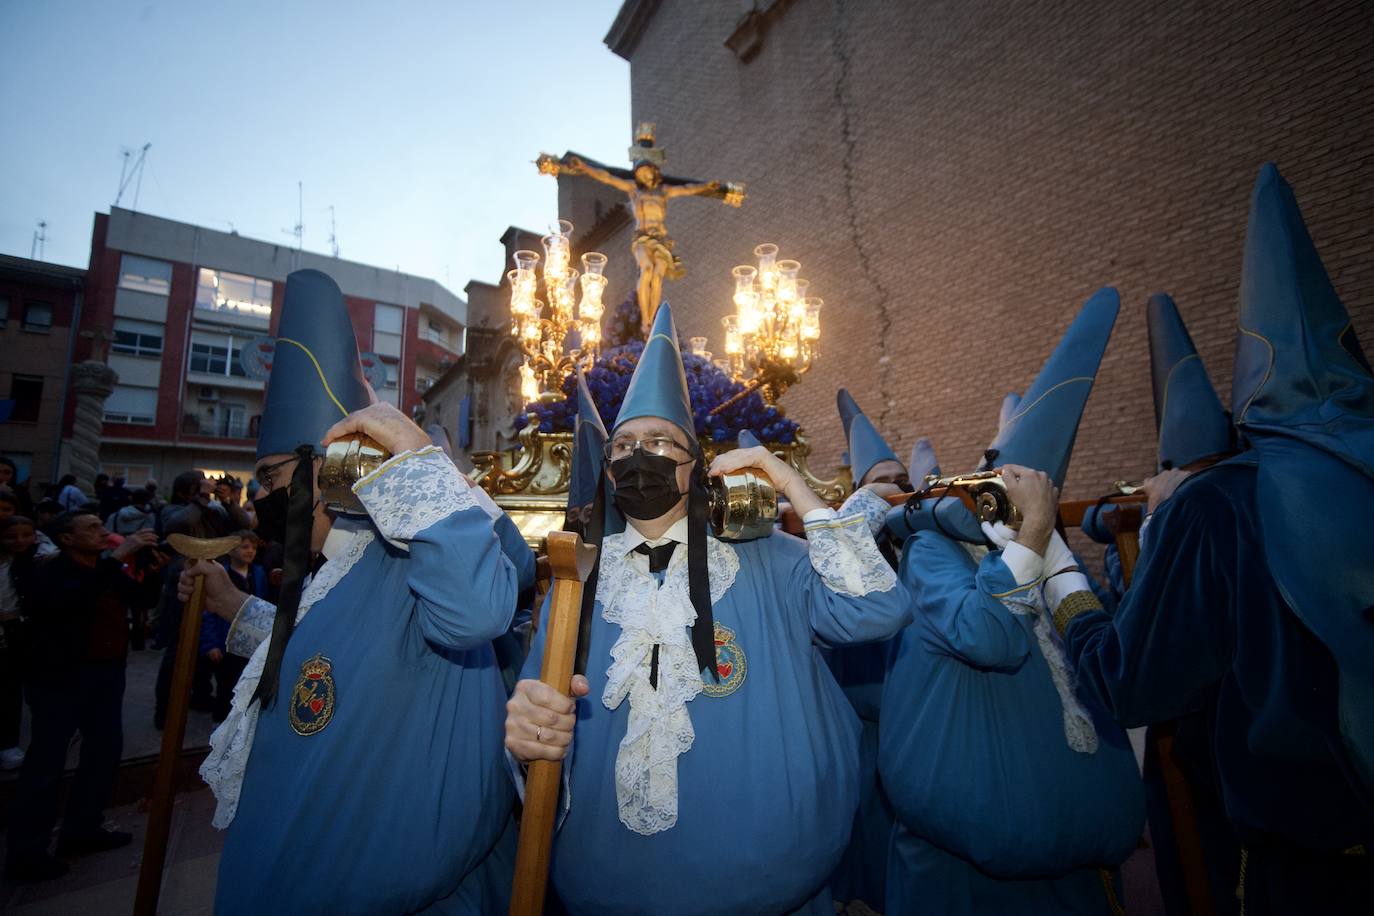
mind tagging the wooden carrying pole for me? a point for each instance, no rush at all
(160, 809)
(572, 562)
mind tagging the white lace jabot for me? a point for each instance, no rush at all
(659, 728)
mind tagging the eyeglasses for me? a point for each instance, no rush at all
(663, 446)
(266, 473)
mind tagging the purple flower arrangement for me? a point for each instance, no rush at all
(707, 386)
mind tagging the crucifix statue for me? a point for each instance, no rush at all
(649, 191)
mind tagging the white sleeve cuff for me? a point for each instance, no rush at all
(1025, 564)
(873, 507)
(412, 491)
(1059, 587)
(845, 555)
(251, 626)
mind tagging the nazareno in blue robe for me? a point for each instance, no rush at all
(1205, 630)
(401, 802)
(996, 813)
(768, 789)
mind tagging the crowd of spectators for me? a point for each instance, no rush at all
(86, 578)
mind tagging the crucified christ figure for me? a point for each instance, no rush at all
(649, 191)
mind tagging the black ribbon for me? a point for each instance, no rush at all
(659, 558)
(698, 580)
(300, 519)
(593, 534)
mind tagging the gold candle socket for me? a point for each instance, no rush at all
(346, 462)
(743, 505)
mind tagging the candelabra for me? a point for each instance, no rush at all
(558, 332)
(772, 338)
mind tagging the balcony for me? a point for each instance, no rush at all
(233, 427)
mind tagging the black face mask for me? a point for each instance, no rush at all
(645, 485)
(271, 510)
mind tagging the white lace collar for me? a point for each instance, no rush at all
(659, 729)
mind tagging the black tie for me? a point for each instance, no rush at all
(659, 558)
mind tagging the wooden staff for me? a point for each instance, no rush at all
(160, 810)
(572, 562)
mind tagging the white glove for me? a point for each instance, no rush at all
(1058, 556)
(998, 533)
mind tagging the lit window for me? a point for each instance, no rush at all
(131, 404)
(145, 274)
(387, 325)
(216, 354)
(137, 338)
(37, 316)
(234, 294)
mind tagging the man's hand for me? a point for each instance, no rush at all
(215, 655)
(221, 597)
(1161, 486)
(1036, 496)
(539, 719)
(133, 544)
(390, 428)
(785, 478)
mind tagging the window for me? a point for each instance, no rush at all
(131, 404)
(217, 354)
(234, 294)
(387, 325)
(145, 275)
(37, 316)
(27, 394)
(4, 311)
(137, 338)
(134, 475)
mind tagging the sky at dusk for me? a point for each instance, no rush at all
(418, 120)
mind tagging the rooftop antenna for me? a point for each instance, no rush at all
(127, 174)
(333, 239)
(40, 235)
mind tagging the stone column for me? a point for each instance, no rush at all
(92, 382)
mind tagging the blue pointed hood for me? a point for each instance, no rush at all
(316, 378)
(589, 441)
(848, 409)
(1041, 432)
(923, 462)
(866, 445)
(1188, 415)
(1299, 368)
(747, 439)
(1303, 399)
(1009, 405)
(658, 387)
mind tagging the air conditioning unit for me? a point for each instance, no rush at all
(209, 393)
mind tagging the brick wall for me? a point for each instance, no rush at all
(957, 177)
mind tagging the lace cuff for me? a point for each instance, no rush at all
(250, 627)
(845, 556)
(413, 491)
(872, 506)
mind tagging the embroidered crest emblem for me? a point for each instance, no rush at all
(312, 699)
(731, 664)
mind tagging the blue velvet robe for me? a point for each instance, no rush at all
(767, 791)
(995, 812)
(1204, 629)
(399, 804)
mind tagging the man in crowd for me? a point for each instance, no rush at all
(365, 735)
(77, 608)
(978, 689)
(1250, 604)
(716, 763)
